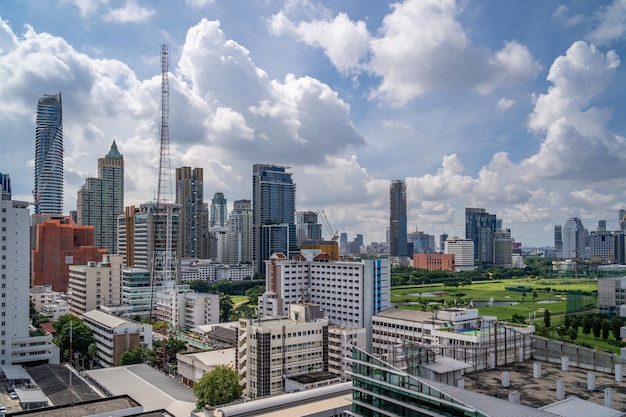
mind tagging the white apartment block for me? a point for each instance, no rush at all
(349, 293)
(43, 294)
(341, 340)
(55, 309)
(16, 345)
(95, 284)
(201, 309)
(463, 251)
(611, 295)
(225, 272)
(210, 271)
(114, 336)
(271, 350)
(170, 305)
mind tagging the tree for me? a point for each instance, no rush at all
(82, 336)
(165, 350)
(200, 286)
(606, 327)
(133, 356)
(572, 333)
(91, 352)
(220, 386)
(567, 322)
(254, 293)
(586, 325)
(546, 317)
(596, 326)
(616, 323)
(226, 306)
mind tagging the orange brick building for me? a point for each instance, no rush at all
(434, 261)
(60, 243)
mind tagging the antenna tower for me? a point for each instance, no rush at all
(163, 257)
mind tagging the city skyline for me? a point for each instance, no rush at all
(521, 117)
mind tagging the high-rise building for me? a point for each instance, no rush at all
(307, 227)
(503, 248)
(480, 227)
(558, 240)
(16, 345)
(273, 213)
(219, 210)
(48, 192)
(442, 242)
(240, 233)
(573, 239)
(95, 284)
(193, 232)
(101, 200)
(397, 219)
(463, 251)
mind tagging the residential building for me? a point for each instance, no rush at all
(434, 261)
(270, 351)
(503, 248)
(193, 222)
(193, 366)
(219, 210)
(101, 200)
(200, 309)
(341, 341)
(273, 213)
(573, 239)
(349, 293)
(463, 251)
(43, 294)
(611, 295)
(55, 309)
(480, 227)
(48, 192)
(95, 284)
(240, 233)
(603, 245)
(170, 305)
(114, 336)
(397, 219)
(307, 227)
(16, 346)
(60, 243)
(218, 244)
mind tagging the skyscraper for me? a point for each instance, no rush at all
(558, 240)
(397, 219)
(101, 200)
(273, 213)
(193, 233)
(480, 227)
(307, 227)
(219, 210)
(240, 233)
(48, 192)
(573, 239)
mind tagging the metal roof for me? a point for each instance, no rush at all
(103, 318)
(573, 406)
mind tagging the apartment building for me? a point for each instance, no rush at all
(95, 284)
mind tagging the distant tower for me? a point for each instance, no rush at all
(397, 219)
(307, 227)
(240, 233)
(273, 213)
(101, 200)
(219, 210)
(573, 239)
(480, 227)
(48, 192)
(193, 223)
(442, 242)
(558, 240)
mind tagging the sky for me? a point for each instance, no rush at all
(512, 106)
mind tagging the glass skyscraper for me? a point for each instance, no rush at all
(397, 219)
(48, 192)
(273, 213)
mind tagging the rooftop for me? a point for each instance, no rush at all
(408, 315)
(313, 377)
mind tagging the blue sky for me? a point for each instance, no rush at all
(516, 107)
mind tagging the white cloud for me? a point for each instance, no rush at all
(505, 103)
(130, 13)
(198, 4)
(612, 23)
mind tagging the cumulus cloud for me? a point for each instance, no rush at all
(130, 13)
(505, 103)
(611, 23)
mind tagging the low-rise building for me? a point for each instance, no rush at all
(434, 261)
(43, 294)
(193, 366)
(611, 295)
(54, 310)
(341, 341)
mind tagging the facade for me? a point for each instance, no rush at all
(397, 219)
(421, 242)
(349, 293)
(480, 227)
(341, 341)
(307, 227)
(434, 261)
(95, 284)
(43, 294)
(573, 239)
(193, 366)
(170, 305)
(611, 295)
(240, 233)
(193, 222)
(48, 192)
(219, 210)
(60, 243)
(603, 247)
(55, 309)
(209, 271)
(200, 309)
(114, 336)
(273, 213)
(218, 243)
(137, 293)
(271, 350)
(101, 200)
(558, 240)
(503, 248)
(15, 344)
(463, 251)
(148, 239)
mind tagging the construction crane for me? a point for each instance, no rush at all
(334, 233)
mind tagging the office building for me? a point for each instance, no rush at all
(307, 227)
(101, 200)
(397, 219)
(442, 242)
(48, 192)
(114, 336)
(218, 244)
(95, 284)
(219, 210)
(503, 248)
(463, 251)
(480, 227)
(273, 351)
(603, 247)
(558, 240)
(574, 239)
(138, 295)
(421, 243)
(273, 213)
(193, 226)
(434, 261)
(240, 233)
(60, 243)
(15, 344)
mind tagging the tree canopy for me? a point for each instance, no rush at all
(82, 336)
(220, 386)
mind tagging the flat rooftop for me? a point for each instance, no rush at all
(313, 377)
(539, 392)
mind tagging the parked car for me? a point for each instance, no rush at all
(13, 396)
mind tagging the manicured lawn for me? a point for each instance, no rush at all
(237, 299)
